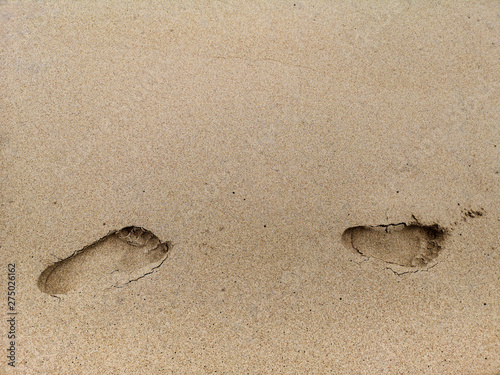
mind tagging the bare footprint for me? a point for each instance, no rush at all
(114, 260)
(411, 245)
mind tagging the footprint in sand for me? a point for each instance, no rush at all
(412, 245)
(113, 261)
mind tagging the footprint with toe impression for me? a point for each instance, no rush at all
(113, 261)
(412, 245)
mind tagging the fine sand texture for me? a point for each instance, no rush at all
(271, 187)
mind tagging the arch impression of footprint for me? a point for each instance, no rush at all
(408, 245)
(113, 261)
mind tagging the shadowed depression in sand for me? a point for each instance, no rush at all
(407, 245)
(113, 261)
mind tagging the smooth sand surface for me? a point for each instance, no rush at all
(251, 137)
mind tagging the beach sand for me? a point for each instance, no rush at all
(324, 176)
